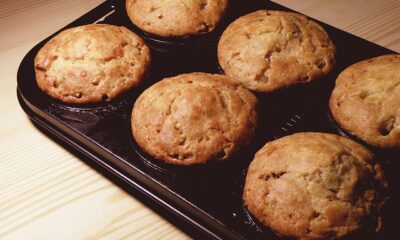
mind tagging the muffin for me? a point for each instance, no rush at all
(315, 186)
(366, 100)
(176, 18)
(91, 63)
(270, 50)
(194, 118)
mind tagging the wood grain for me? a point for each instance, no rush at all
(376, 21)
(46, 192)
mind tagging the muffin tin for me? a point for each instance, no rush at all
(207, 197)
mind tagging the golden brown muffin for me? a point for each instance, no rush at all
(176, 18)
(269, 50)
(314, 186)
(366, 100)
(194, 118)
(91, 63)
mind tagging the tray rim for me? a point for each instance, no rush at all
(136, 179)
(179, 207)
(199, 219)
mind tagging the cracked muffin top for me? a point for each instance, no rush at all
(270, 50)
(315, 186)
(176, 18)
(366, 100)
(91, 63)
(194, 118)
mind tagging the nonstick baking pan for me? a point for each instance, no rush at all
(206, 197)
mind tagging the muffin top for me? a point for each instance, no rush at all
(366, 100)
(194, 118)
(315, 186)
(91, 63)
(269, 50)
(176, 18)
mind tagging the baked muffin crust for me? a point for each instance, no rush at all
(270, 50)
(194, 118)
(366, 100)
(91, 63)
(314, 186)
(176, 18)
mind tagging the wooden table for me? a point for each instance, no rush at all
(48, 193)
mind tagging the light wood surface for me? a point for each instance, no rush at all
(45, 191)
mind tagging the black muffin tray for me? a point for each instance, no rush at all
(207, 197)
